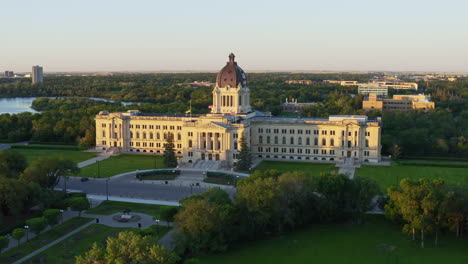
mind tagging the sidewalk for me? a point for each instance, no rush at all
(145, 221)
(99, 157)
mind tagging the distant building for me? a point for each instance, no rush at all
(9, 74)
(196, 84)
(37, 75)
(398, 103)
(374, 89)
(342, 83)
(295, 107)
(305, 82)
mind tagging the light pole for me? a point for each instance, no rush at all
(98, 169)
(154, 160)
(157, 226)
(107, 189)
(27, 232)
(61, 216)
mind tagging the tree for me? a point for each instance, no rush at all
(37, 224)
(79, 204)
(204, 226)
(47, 171)
(395, 151)
(417, 203)
(12, 163)
(363, 190)
(18, 233)
(128, 247)
(52, 216)
(17, 195)
(167, 213)
(170, 159)
(245, 157)
(3, 243)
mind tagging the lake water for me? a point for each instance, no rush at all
(18, 105)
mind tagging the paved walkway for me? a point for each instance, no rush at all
(145, 222)
(99, 157)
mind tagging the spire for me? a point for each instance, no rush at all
(231, 57)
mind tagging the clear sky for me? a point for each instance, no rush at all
(197, 35)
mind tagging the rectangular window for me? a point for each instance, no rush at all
(332, 152)
(315, 151)
(276, 131)
(284, 131)
(324, 151)
(291, 131)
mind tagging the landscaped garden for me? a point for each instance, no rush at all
(377, 241)
(387, 176)
(79, 243)
(42, 239)
(112, 207)
(121, 164)
(309, 167)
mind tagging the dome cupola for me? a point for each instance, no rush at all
(231, 75)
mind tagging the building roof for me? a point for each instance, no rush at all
(231, 74)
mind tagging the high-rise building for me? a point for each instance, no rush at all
(9, 74)
(37, 75)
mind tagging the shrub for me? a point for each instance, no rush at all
(37, 225)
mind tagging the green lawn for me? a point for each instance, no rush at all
(112, 207)
(42, 239)
(122, 163)
(387, 176)
(78, 244)
(378, 241)
(309, 167)
(75, 156)
(218, 180)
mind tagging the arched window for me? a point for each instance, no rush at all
(268, 139)
(144, 135)
(315, 141)
(131, 134)
(299, 141)
(190, 143)
(138, 135)
(324, 142)
(367, 143)
(151, 135)
(291, 141)
(165, 136)
(260, 139)
(157, 136)
(284, 140)
(179, 137)
(307, 141)
(276, 139)
(332, 142)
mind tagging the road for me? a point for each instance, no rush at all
(127, 187)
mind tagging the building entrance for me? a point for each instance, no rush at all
(349, 154)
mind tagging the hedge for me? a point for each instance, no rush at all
(425, 164)
(45, 147)
(139, 175)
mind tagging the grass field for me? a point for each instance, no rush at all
(42, 239)
(112, 207)
(78, 244)
(378, 241)
(120, 164)
(387, 176)
(309, 167)
(75, 156)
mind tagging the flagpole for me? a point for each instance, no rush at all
(190, 110)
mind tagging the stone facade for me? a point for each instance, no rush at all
(216, 136)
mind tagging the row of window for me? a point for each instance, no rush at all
(151, 144)
(164, 127)
(307, 141)
(293, 150)
(307, 131)
(152, 136)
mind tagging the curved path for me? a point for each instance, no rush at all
(145, 221)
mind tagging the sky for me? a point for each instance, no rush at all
(188, 35)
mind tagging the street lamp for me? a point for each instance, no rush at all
(107, 189)
(27, 232)
(157, 226)
(61, 216)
